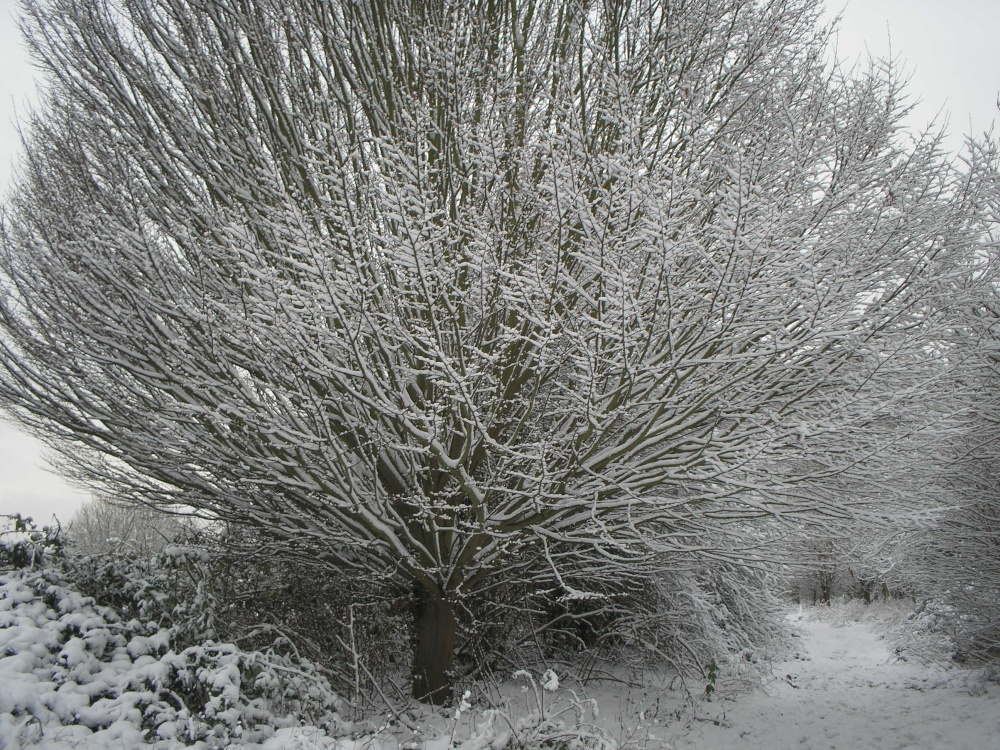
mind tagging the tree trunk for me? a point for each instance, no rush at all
(433, 647)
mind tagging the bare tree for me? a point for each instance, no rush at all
(433, 288)
(103, 526)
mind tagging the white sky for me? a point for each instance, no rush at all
(950, 46)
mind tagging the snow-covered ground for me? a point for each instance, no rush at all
(844, 690)
(841, 687)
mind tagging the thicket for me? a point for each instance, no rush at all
(223, 583)
(209, 642)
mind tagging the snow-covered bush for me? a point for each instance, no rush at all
(955, 563)
(929, 633)
(172, 588)
(708, 622)
(356, 628)
(67, 661)
(225, 583)
(689, 619)
(24, 545)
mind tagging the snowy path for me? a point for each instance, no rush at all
(842, 692)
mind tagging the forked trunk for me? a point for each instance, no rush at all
(433, 648)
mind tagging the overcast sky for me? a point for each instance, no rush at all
(950, 48)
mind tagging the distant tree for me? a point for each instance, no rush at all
(102, 526)
(443, 291)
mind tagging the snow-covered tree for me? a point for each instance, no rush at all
(955, 563)
(103, 526)
(433, 287)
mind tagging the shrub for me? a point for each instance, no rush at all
(76, 663)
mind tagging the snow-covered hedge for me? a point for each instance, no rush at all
(73, 669)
